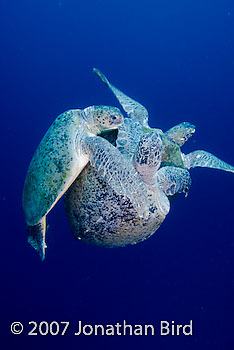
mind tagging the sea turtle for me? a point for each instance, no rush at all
(173, 139)
(100, 216)
(69, 144)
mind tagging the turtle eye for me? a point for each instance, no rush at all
(114, 119)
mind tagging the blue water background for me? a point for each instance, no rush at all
(177, 59)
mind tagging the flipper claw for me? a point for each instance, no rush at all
(36, 237)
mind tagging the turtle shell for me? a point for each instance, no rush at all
(99, 216)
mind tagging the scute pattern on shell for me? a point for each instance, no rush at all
(99, 216)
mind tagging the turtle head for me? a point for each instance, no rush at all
(148, 156)
(101, 118)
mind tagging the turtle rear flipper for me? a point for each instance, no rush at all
(206, 160)
(36, 237)
(133, 108)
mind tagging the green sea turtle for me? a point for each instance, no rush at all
(173, 139)
(100, 216)
(69, 144)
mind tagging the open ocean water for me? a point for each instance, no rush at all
(177, 59)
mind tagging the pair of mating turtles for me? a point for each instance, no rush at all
(118, 173)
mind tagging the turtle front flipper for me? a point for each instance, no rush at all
(206, 160)
(36, 237)
(52, 170)
(173, 180)
(129, 135)
(180, 133)
(117, 171)
(133, 108)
